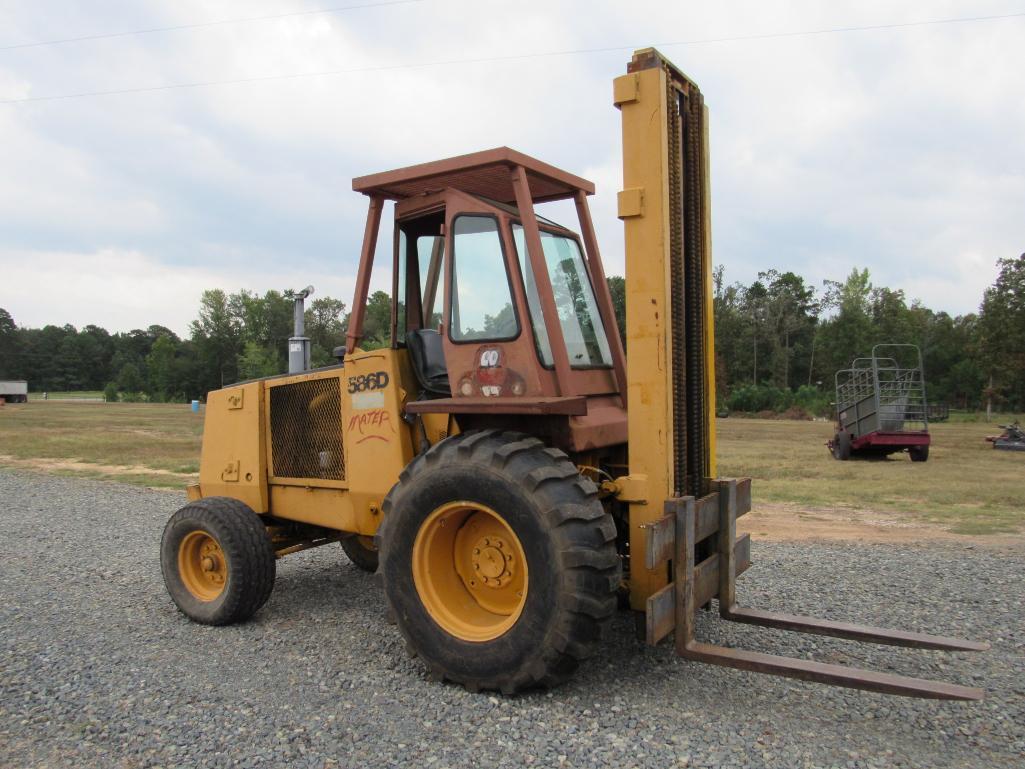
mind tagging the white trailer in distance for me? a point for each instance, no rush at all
(14, 391)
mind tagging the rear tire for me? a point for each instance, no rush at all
(842, 445)
(361, 552)
(502, 509)
(217, 560)
(919, 453)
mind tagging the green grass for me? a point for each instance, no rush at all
(965, 486)
(127, 441)
(980, 417)
(68, 395)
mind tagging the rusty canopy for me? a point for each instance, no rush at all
(486, 174)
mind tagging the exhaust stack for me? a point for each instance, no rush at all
(299, 343)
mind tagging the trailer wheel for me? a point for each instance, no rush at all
(217, 560)
(842, 445)
(361, 551)
(919, 453)
(498, 561)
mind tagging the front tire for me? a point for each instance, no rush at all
(217, 560)
(498, 561)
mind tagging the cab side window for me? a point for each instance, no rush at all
(482, 304)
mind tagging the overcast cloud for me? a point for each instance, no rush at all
(900, 150)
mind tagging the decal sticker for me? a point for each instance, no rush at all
(362, 401)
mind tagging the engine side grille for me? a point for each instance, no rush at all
(306, 429)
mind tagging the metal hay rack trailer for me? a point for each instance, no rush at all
(880, 405)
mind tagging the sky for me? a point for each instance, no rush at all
(899, 149)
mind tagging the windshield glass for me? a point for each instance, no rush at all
(586, 342)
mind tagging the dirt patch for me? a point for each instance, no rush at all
(58, 465)
(790, 523)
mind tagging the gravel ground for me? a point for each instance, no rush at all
(97, 667)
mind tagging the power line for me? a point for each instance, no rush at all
(508, 57)
(198, 25)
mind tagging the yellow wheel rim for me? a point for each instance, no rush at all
(470, 571)
(202, 565)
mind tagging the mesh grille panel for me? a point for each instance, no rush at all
(306, 429)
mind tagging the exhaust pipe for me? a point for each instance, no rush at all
(299, 343)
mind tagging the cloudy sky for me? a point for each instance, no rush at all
(899, 149)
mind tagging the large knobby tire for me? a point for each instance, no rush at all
(520, 518)
(217, 560)
(842, 445)
(919, 453)
(361, 551)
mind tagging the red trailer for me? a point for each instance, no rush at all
(881, 407)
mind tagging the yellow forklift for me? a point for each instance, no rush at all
(502, 465)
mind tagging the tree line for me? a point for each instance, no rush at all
(235, 337)
(779, 342)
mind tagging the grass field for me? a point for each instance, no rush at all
(965, 487)
(145, 443)
(68, 395)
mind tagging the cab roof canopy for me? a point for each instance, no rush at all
(486, 174)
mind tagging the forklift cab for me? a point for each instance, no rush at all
(500, 310)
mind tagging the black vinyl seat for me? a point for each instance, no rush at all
(428, 359)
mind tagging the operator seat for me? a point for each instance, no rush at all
(428, 359)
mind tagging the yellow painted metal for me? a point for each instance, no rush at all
(470, 571)
(234, 458)
(709, 301)
(630, 202)
(439, 426)
(202, 565)
(378, 441)
(238, 460)
(377, 445)
(641, 97)
(632, 488)
(193, 491)
(331, 508)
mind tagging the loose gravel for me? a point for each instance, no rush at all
(98, 668)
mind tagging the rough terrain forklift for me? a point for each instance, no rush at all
(502, 465)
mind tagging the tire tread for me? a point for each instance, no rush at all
(583, 534)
